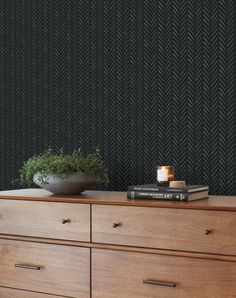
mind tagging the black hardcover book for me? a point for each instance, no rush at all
(167, 196)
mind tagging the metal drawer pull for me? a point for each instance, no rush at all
(116, 224)
(65, 221)
(159, 283)
(25, 266)
(207, 232)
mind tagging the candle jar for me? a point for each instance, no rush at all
(165, 174)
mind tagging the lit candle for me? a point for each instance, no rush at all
(165, 174)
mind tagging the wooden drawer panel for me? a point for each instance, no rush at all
(64, 270)
(13, 293)
(121, 274)
(165, 228)
(45, 219)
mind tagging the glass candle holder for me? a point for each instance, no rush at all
(165, 174)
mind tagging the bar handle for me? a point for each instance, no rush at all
(159, 283)
(27, 266)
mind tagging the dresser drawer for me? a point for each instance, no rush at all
(13, 293)
(45, 219)
(47, 268)
(177, 229)
(138, 275)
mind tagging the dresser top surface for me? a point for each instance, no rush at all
(225, 203)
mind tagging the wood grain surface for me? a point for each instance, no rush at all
(64, 270)
(227, 203)
(121, 274)
(176, 229)
(45, 219)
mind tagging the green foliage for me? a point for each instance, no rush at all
(62, 165)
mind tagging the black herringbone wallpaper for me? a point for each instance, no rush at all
(152, 82)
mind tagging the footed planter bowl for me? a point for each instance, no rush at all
(73, 184)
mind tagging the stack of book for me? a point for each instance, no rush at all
(154, 192)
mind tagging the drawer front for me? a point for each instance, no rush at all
(187, 230)
(47, 268)
(45, 219)
(138, 275)
(13, 293)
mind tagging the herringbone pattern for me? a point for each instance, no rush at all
(151, 82)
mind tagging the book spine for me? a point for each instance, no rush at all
(163, 190)
(179, 197)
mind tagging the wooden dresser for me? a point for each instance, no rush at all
(102, 245)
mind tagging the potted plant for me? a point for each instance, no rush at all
(62, 173)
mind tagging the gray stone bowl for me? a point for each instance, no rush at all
(73, 184)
